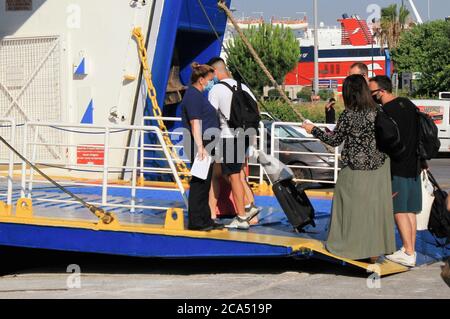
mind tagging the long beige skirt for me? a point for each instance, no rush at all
(362, 220)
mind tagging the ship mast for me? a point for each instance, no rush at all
(316, 49)
(416, 12)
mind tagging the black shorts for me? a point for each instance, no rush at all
(233, 154)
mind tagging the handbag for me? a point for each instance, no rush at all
(439, 223)
(427, 201)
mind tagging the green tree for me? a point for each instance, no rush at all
(425, 49)
(393, 23)
(277, 47)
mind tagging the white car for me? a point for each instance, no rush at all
(439, 110)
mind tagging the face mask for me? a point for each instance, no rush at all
(209, 86)
(376, 99)
(216, 80)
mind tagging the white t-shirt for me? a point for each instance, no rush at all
(220, 97)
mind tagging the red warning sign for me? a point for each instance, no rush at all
(90, 154)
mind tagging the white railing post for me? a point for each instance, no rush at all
(172, 166)
(105, 168)
(262, 143)
(134, 173)
(142, 153)
(11, 164)
(272, 139)
(24, 165)
(33, 160)
(11, 124)
(336, 164)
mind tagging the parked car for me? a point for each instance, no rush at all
(287, 139)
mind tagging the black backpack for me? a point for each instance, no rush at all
(244, 113)
(439, 223)
(428, 140)
(388, 135)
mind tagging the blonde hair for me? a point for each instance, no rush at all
(200, 71)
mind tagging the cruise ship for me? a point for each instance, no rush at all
(339, 48)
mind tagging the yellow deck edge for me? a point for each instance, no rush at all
(295, 243)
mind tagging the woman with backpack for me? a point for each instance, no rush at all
(362, 223)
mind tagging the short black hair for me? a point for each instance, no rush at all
(214, 60)
(362, 66)
(332, 100)
(384, 82)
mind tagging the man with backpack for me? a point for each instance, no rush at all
(406, 182)
(239, 120)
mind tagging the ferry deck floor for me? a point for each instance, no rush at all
(71, 227)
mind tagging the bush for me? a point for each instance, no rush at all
(313, 112)
(280, 110)
(273, 93)
(325, 95)
(305, 93)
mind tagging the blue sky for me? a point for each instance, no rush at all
(331, 10)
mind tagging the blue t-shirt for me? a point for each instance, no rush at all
(195, 106)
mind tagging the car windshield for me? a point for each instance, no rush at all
(286, 131)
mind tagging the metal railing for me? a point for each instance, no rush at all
(156, 149)
(105, 169)
(329, 161)
(9, 125)
(31, 143)
(269, 140)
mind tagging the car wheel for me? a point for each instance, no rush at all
(301, 173)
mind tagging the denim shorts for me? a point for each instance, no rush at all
(407, 194)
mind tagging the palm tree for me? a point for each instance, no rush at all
(393, 23)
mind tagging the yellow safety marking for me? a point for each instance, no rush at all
(151, 91)
(5, 209)
(322, 194)
(174, 219)
(24, 208)
(295, 243)
(385, 268)
(114, 225)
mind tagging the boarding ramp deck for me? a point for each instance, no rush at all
(151, 219)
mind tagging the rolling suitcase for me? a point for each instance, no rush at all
(291, 196)
(295, 204)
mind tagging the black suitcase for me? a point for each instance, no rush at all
(295, 203)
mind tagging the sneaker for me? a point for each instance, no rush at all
(403, 258)
(252, 212)
(239, 223)
(397, 253)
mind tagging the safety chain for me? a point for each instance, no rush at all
(180, 164)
